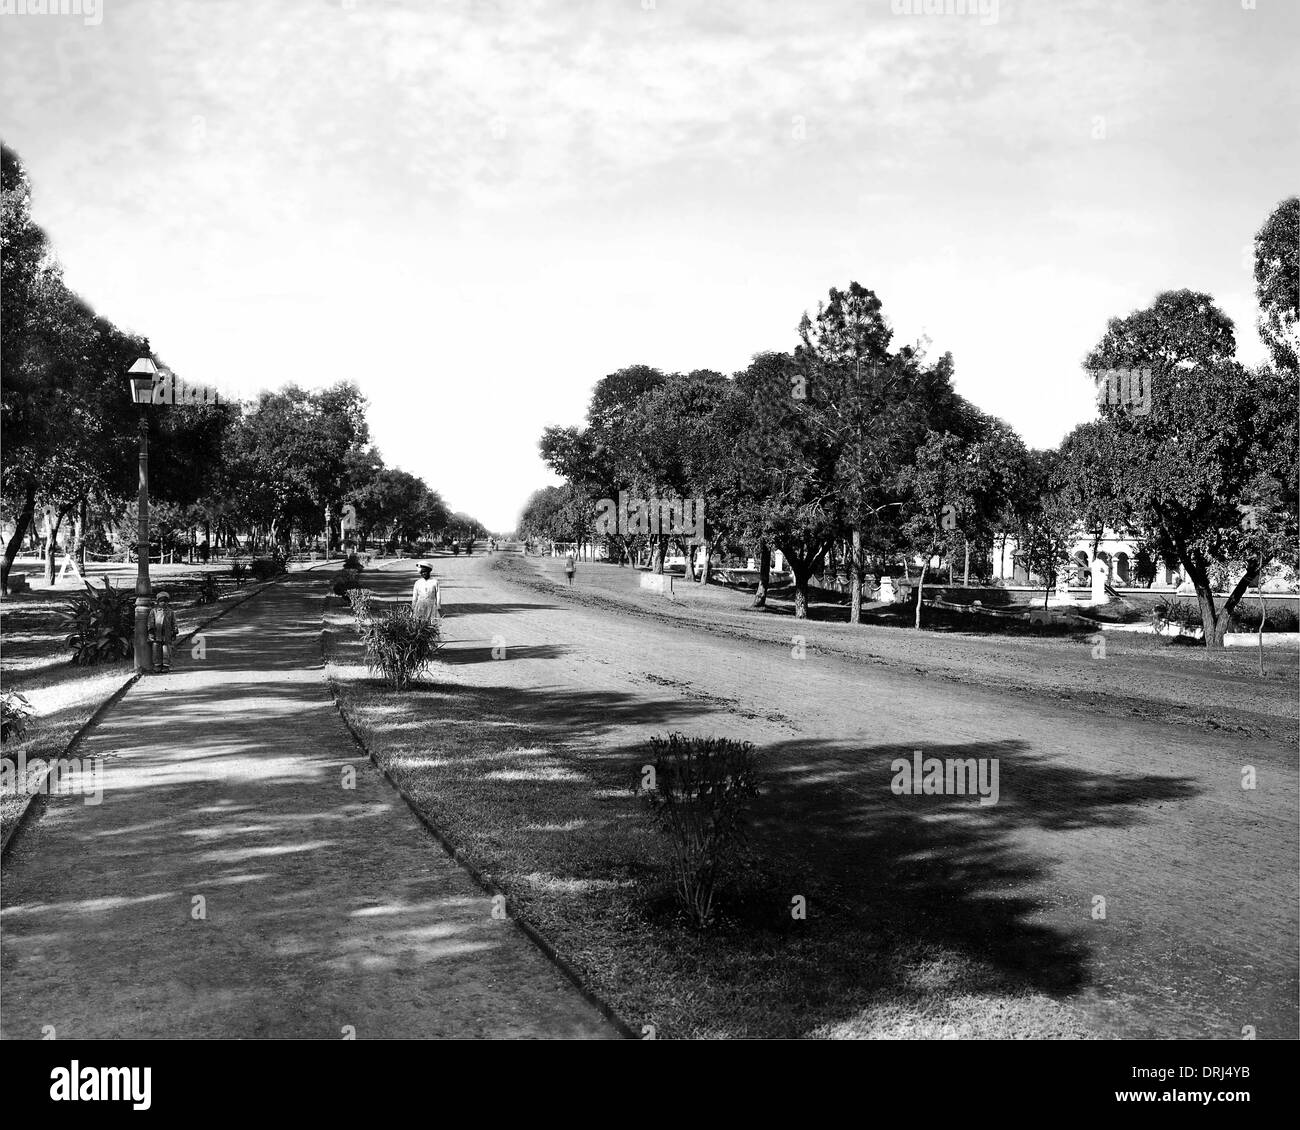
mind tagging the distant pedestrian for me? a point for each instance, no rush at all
(426, 596)
(162, 633)
(205, 550)
(570, 566)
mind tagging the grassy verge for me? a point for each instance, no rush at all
(557, 826)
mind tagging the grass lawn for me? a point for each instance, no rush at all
(559, 829)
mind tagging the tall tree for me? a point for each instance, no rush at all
(1211, 428)
(1277, 283)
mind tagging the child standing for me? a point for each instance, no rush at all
(162, 632)
(426, 596)
(570, 566)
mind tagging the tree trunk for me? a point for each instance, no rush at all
(965, 579)
(79, 538)
(855, 577)
(764, 573)
(660, 548)
(1215, 622)
(1263, 615)
(706, 566)
(20, 531)
(920, 591)
(802, 571)
(51, 545)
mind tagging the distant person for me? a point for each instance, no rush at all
(570, 566)
(205, 550)
(162, 633)
(426, 596)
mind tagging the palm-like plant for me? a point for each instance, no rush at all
(100, 623)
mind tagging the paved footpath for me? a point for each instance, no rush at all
(229, 885)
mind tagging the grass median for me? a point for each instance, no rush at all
(891, 946)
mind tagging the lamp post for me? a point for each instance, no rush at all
(142, 376)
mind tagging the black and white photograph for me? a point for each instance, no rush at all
(650, 520)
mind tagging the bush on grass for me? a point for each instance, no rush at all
(1170, 610)
(1245, 618)
(346, 582)
(102, 624)
(239, 572)
(207, 593)
(268, 568)
(400, 646)
(361, 601)
(353, 562)
(699, 795)
(15, 714)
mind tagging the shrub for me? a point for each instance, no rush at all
(15, 713)
(700, 797)
(400, 645)
(208, 591)
(101, 623)
(1245, 618)
(361, 601)
(346, 581)
(1174, 611)
(266, 568)
(353, 562)
(239, 571)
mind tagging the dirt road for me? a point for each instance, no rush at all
(1196, 872)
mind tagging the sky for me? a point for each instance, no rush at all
(475, 210)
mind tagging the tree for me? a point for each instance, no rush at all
(599, 460)
(559, 513)
(941, 484)
(1043, 522)
(1277, 283)
(294, 456)
(1268, 534)
(1180, 328)
(793, 467)
(70, 428)
(1212, 427)
(871, 408)
(675, 445)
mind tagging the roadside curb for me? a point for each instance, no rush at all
(458, 857)
(35, 798)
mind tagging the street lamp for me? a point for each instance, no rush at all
(142, 376)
